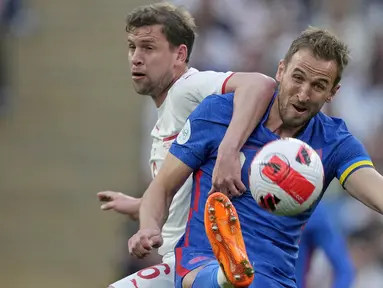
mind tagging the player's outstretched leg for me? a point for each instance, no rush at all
(224, 232)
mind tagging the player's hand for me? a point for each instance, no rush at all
(142, 243)
(227, 174)
(120, 203)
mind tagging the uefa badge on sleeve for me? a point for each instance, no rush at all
(184, 135)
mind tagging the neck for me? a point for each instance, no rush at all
(275, 124)
(160, 97)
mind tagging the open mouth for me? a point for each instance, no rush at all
(299, 108)
(138, 75)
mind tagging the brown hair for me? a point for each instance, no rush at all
(178, 25)
(323, 45)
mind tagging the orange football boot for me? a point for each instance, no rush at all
(224, 232)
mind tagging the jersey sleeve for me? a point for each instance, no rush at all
(202, 132)
(202, 84)
(213, 83)
(350, 156)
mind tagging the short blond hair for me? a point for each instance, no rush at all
(323, 45)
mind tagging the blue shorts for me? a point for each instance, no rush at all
(188, 259)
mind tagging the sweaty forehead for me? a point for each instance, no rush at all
(147, 33)
(314, 66)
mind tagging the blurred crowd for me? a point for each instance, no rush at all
(253, 35)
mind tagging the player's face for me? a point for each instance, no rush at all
(152, 60)
(305, 84)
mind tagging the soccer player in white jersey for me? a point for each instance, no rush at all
(161, 38)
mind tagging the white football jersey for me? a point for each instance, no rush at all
(183, 97)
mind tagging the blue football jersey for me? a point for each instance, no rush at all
(271, 241)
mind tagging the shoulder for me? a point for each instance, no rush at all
(185, 83)
(194, 84)
(332, 123)
(215, 108)
(335, 134)
(332, 129)
(203, 78)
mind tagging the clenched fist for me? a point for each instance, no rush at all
(227, 174)
(141, 243)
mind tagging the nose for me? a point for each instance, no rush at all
(304, 93)
(137, 58)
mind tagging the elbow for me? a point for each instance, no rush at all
(258, 83)
(268, 84)
(263, 85)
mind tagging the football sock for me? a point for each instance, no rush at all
(207, 277)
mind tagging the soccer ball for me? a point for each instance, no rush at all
(286, 177)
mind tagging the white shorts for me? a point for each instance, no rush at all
(159, 276)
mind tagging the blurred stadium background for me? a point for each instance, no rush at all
(71, 125)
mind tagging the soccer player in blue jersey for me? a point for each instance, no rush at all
(321, 233)
(308, 77)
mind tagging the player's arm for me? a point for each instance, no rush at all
(154, 208)
(120, 203)
(189, 151)
(366, 185)
(187, 154)
(357, 175)
(252, 95)
(331, 241)
(157, 198)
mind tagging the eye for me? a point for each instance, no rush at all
(298, 78)
(319, 86)
(132, 47)
(148, 47)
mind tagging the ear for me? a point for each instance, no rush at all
(280, 71)
(333, 92)
(182, 53)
